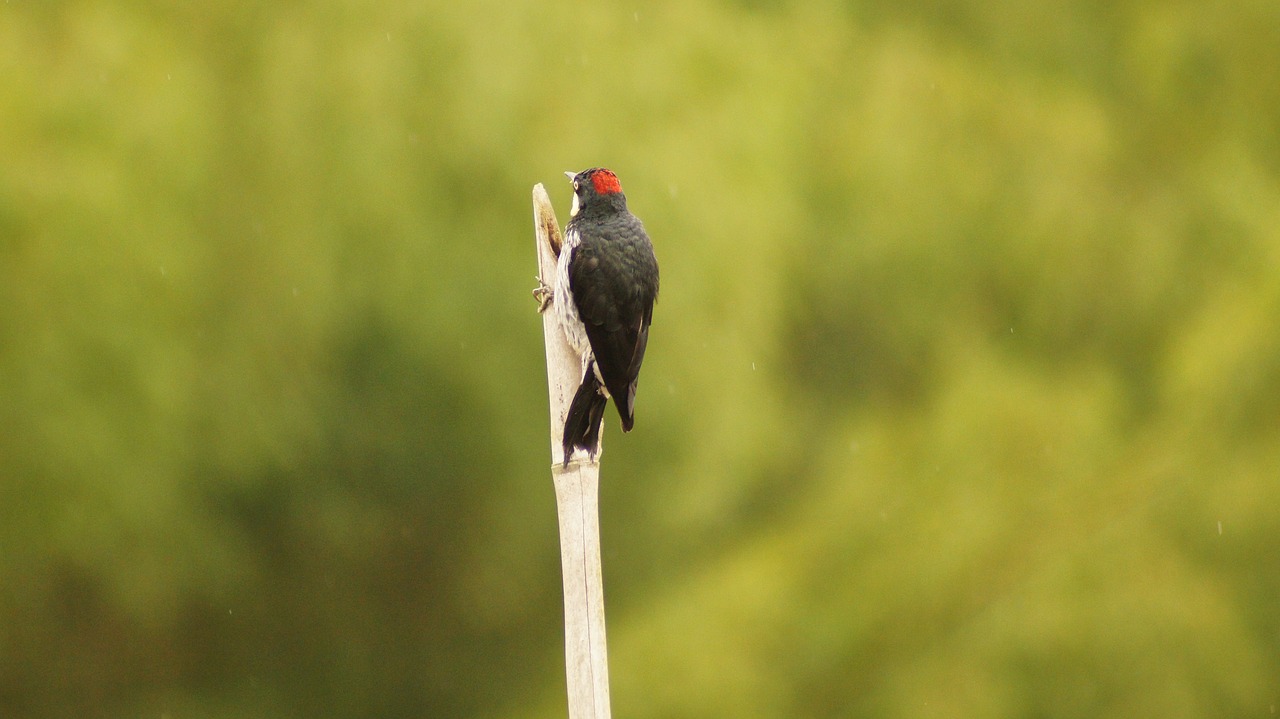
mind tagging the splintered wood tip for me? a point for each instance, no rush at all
(547, 218)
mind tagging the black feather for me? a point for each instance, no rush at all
(614, 279)
(586, 411)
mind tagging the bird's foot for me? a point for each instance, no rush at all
(544, 295)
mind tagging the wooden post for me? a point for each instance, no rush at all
(577, 501)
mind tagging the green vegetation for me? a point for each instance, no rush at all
(963, 395)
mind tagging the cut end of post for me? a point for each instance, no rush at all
(545, 217)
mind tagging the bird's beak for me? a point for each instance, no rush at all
(570, 174)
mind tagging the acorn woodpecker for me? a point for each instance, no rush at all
(604, 289)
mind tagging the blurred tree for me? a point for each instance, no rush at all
(963, 380)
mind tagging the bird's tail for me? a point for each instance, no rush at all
(582, 425)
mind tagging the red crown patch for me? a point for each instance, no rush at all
(605, 182)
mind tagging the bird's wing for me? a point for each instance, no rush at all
(616, 320)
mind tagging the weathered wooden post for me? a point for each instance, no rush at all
(577, 501)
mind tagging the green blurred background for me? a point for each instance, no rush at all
(963, 395)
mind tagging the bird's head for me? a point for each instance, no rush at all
(595, 190)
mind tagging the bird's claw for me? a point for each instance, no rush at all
(544, 295)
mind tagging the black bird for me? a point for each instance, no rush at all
(605, 286)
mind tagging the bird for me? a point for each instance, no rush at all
(603, 292)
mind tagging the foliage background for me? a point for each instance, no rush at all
(963, 397)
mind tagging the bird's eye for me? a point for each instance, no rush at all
(575, 185)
